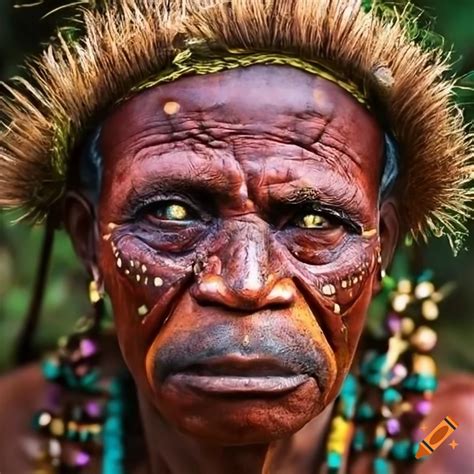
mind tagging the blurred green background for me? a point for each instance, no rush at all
(22, 33)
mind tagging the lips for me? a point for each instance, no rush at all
(236, 375)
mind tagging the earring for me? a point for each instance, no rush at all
(86, 413)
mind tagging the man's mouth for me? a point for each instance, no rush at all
(237, 375)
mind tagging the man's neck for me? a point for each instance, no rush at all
(171, 452)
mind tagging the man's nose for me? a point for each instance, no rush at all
(247, 278)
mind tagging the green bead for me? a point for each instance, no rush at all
(401, 450)
(391, 396)
(388, 283)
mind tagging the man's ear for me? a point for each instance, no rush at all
(81, 224)
(389, 232)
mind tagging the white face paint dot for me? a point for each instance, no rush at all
(157, 281)
(171, 108)
(329, 290)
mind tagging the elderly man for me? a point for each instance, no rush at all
(235, 178)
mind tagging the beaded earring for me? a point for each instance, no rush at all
(389, 391)
(85, 412)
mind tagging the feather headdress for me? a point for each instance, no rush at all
(126, 43)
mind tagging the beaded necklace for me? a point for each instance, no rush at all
(378, 409)
(382, 403)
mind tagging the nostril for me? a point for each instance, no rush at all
(282, 293)
(213, 290)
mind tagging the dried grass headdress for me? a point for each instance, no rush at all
(124, 45)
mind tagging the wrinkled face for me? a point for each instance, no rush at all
(239, 246)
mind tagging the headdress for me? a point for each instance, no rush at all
(121, 47)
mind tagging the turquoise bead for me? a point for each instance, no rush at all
(359, 441)
(427, 275)
(90, 379)
(372, 369)
(349, 397)
(378, 441)
(349, 387)
(334, 460)
(420, 383)
(401, 450)
(391, 396)
(382, 466)
(365, 412)
(51, 369)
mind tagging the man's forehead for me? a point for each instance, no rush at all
(282, 100)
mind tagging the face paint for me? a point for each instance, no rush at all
(240, 246)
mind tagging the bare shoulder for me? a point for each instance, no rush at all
(454, 398)
(22, 393)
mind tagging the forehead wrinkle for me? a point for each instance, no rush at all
(214, 170)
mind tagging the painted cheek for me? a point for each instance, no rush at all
(143, 273)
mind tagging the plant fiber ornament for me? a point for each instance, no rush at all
(118, 48)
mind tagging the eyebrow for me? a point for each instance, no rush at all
(152, 185)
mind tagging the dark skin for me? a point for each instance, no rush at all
(240, 237)
(237, 344)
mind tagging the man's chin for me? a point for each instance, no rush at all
(237, 412)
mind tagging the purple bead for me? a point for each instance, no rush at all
(81, 459)
(93, 409)
(394, 323)
(393, 426)
(88, 347)
(423, 407)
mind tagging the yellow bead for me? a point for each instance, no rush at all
(404, 286)
(338, 435)
(57, 427)
(400, 302)
(429, 310)
(423, 364)
(424, 339)
(424, 289)
(408, 326)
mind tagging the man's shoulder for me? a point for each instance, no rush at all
(22, 393)
(20, 388)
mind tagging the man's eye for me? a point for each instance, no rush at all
(171, 211)
(313, 221)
